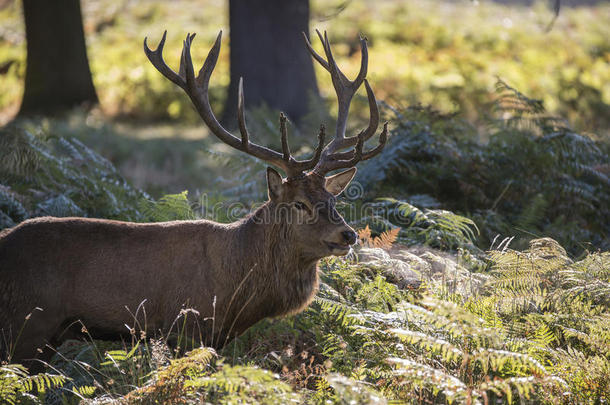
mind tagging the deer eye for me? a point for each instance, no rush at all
(301, 206)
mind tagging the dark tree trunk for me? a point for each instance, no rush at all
(268, 51)
(57, 75)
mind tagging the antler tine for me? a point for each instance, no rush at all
(284, 135)
(321, 137)
(241, 116)
(316, 56)
(311, 163)
(182, 70)
(364, 61)
(337, 76)
(186, 65)
(345, 90)
(373, 112)
(370, 129)
(197, 89)
(332, 158)
(383, 138)
(344, 87)
(156, 58)
(203, 77)
(344, 160)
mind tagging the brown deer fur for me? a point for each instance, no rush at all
(91, 269)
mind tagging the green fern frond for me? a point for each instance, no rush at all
(423, 376)
(170, 207)
(430, 344)
(16, 383)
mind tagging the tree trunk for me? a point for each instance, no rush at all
(268, 51)
(57, 75)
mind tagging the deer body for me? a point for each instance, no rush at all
(233, 275)
(91, 270)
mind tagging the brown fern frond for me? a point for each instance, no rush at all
(365, 236)
(383, 241)
(387, 239)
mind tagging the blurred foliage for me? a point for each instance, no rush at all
(441, 53)
(159, 159)
(533, 175)
(43, 174)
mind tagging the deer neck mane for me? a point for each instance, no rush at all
(286, 279)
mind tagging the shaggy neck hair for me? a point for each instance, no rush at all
(276, 278)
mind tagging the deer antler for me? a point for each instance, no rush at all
(197, 90)
(332, 156)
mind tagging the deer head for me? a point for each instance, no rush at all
(306, 195)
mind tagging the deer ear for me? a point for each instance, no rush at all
(336, 183)
(274, 183)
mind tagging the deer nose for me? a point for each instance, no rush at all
(350, 236)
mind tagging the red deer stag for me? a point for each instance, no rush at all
(234, 275)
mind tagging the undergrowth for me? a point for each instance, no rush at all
(43, 174)
(419, 314)
(527, 175)
(534, 330)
